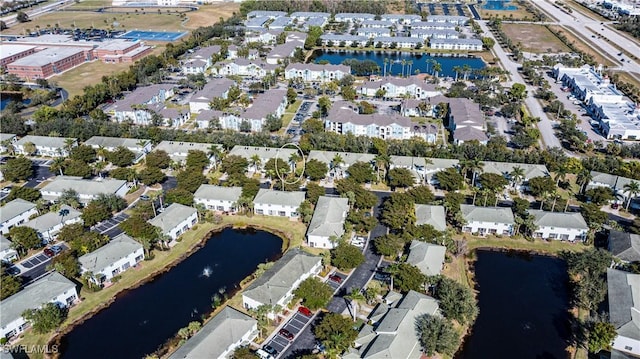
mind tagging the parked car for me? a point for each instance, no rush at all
(49, 252)
(13, 270)
(335, 278)
(56, 249)
(269, 349)
(285, 333)
(383, 277)
(305, 311)
(144, 197)
(615, 206)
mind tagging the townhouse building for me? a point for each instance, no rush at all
(456, 20)
(484, 221)
(16, 213)
(112, 259)
(327, 224)
(178, 151)
(396, 87)
(44, 146)
(175, 220)
(568, 226)
(315, 72)
(49, 224)
(272, 103)
(200, 60)
(278, 203)
(218, 198)
(263, 155)
(140, 147)
(87, 190)
(624, 305)
(135, 106)
(216, 88)
(452, 43)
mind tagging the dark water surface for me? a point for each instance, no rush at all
(394, 67)
(523, 303)
(144, 318)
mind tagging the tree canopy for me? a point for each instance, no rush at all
(401, 177)
(456, 300)
(315, 170)
(18, 169)
(47, 318)
(314, 293)
(361, 172)
(158, 159)
(407, 277)
(346, 257)
(26, 193)
(588, 273)
(450, 179)
(436, 335)
(24, 238)
(336, 332)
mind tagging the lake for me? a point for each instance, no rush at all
(420, 60)
(523, 302)
(141, 320)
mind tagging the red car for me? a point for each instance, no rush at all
(285, 333)
(49, 253)
(335, 278)
(305, 311)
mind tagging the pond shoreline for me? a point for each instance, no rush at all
(199, 244)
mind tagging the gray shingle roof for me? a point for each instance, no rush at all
(624, 302)
(625, 246)
(469, 134)
(559, 220)
(433, 215)
(51, 219)
(399, 322)
(283, 198)
(172, 216)
(434, 163)
(84, 186)
(317, 67)
(179, 150)
(348, 158)
(487, 214)
(279, 279)
(427, 257)
(225, 329)
(213, 88)
(118, 248)
(33, 296)
(43, 141)
(342, 112)
(112, 142)
(265, 104)
(207, 191)
(6, 136)
(265, 153)
(328, 217)
(505, 168)
(15, 208)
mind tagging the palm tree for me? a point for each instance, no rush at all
(63, 213)
(583, 178)
(57, 165)
(632, 188)
(201, 210)
(457, 70)
(385, 63)
(142, 144)
(336, 162)
(561, 175)
(404, 63)
(354, 298)
(516, 175)
(293, 161)
(472, 165)
(380, 163)
(216, 153)
(410, 64)
(29, 148)
(9, 146)
(466, 69)
(436, 69)
(255, 162)
(68, 144)
(102, 153)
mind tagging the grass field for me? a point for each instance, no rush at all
(209, 14)
(534, 38)
(587, 48)
(518, 14)
(538, 245)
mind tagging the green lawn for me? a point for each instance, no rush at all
(538, 245)
(292, 232)
(288, 116)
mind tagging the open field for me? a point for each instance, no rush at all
(209, 14)
(538, 245)
(89, 19)
(581, 45)
(534, 38)
(75, 80)
(518, 14)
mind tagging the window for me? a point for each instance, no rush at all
(259, 211)
(126, 266)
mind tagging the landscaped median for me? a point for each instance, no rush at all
(291, 232)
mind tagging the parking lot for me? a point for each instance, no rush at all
(110, 226)
(35, 260)
(335, 284)
(303, 113)
(294, 326)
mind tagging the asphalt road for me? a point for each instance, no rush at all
(110, 226)
(41, 172)
(305, 341)
(35, 266)
(169, 183)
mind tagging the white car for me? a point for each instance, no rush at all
(357, 243)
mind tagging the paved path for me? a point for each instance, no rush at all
(546, 128)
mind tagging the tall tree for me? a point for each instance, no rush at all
(436, 335)
(314, 293)
(336, 333)
(18, 169)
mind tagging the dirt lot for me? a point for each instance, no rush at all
(209, 14)
(534, 38)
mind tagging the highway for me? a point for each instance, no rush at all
(545, 126)
(585, 26)
(40, 10)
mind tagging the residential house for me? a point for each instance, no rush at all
(175, 220)
(245, 67)
(428, 257)
(316, 72)
(209, 119)
(16, 213)
(466, 121)
(45, 146)
(218, 198)
(432, 25)
(425, 167)
(268, 104)
(137, 146)
(425, 34)
(7, 254)
(328, 221)
(374, 32)
(220, 336)
(624, 306)
(281, 52)
(306, 15)
(172, 117)
(200, 60)
(52, 288)
(276, 285)
(456, 20)
(264, 154)
(6, 140)
(624, 246)
(616, 183)
(280, 23)
(343, 118)
(134, 107)
(452, 43)
(401, 42)
(256, 22)
(567, 226)
(487, 220)
(506, 168)
(332, 40)
(278, 203)
(263, 36)
(402, 19)
(87, 190)
(110, 260)
(378, 24)
(395, 335)
(49, 224)
(200, 100)
(337, 170)
(396, 87)
(178, 151)
(269, 14)
(353, 17)
(431, 215)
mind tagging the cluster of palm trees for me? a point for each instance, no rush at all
(408, 66)
(465, 70)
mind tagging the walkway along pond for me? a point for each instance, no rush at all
(420, 61)
(524, 303)
(143, 319)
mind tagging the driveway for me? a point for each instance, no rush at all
(169, 183)
(294, 325)
(306, 341)
(41, 173)
(110, 226)
(35, 266)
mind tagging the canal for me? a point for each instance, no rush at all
(524, 303)
(421, 62)
(141, 320)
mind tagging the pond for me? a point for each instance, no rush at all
(421, 61)
(524, 303)
(141, 320)
(500, 5)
